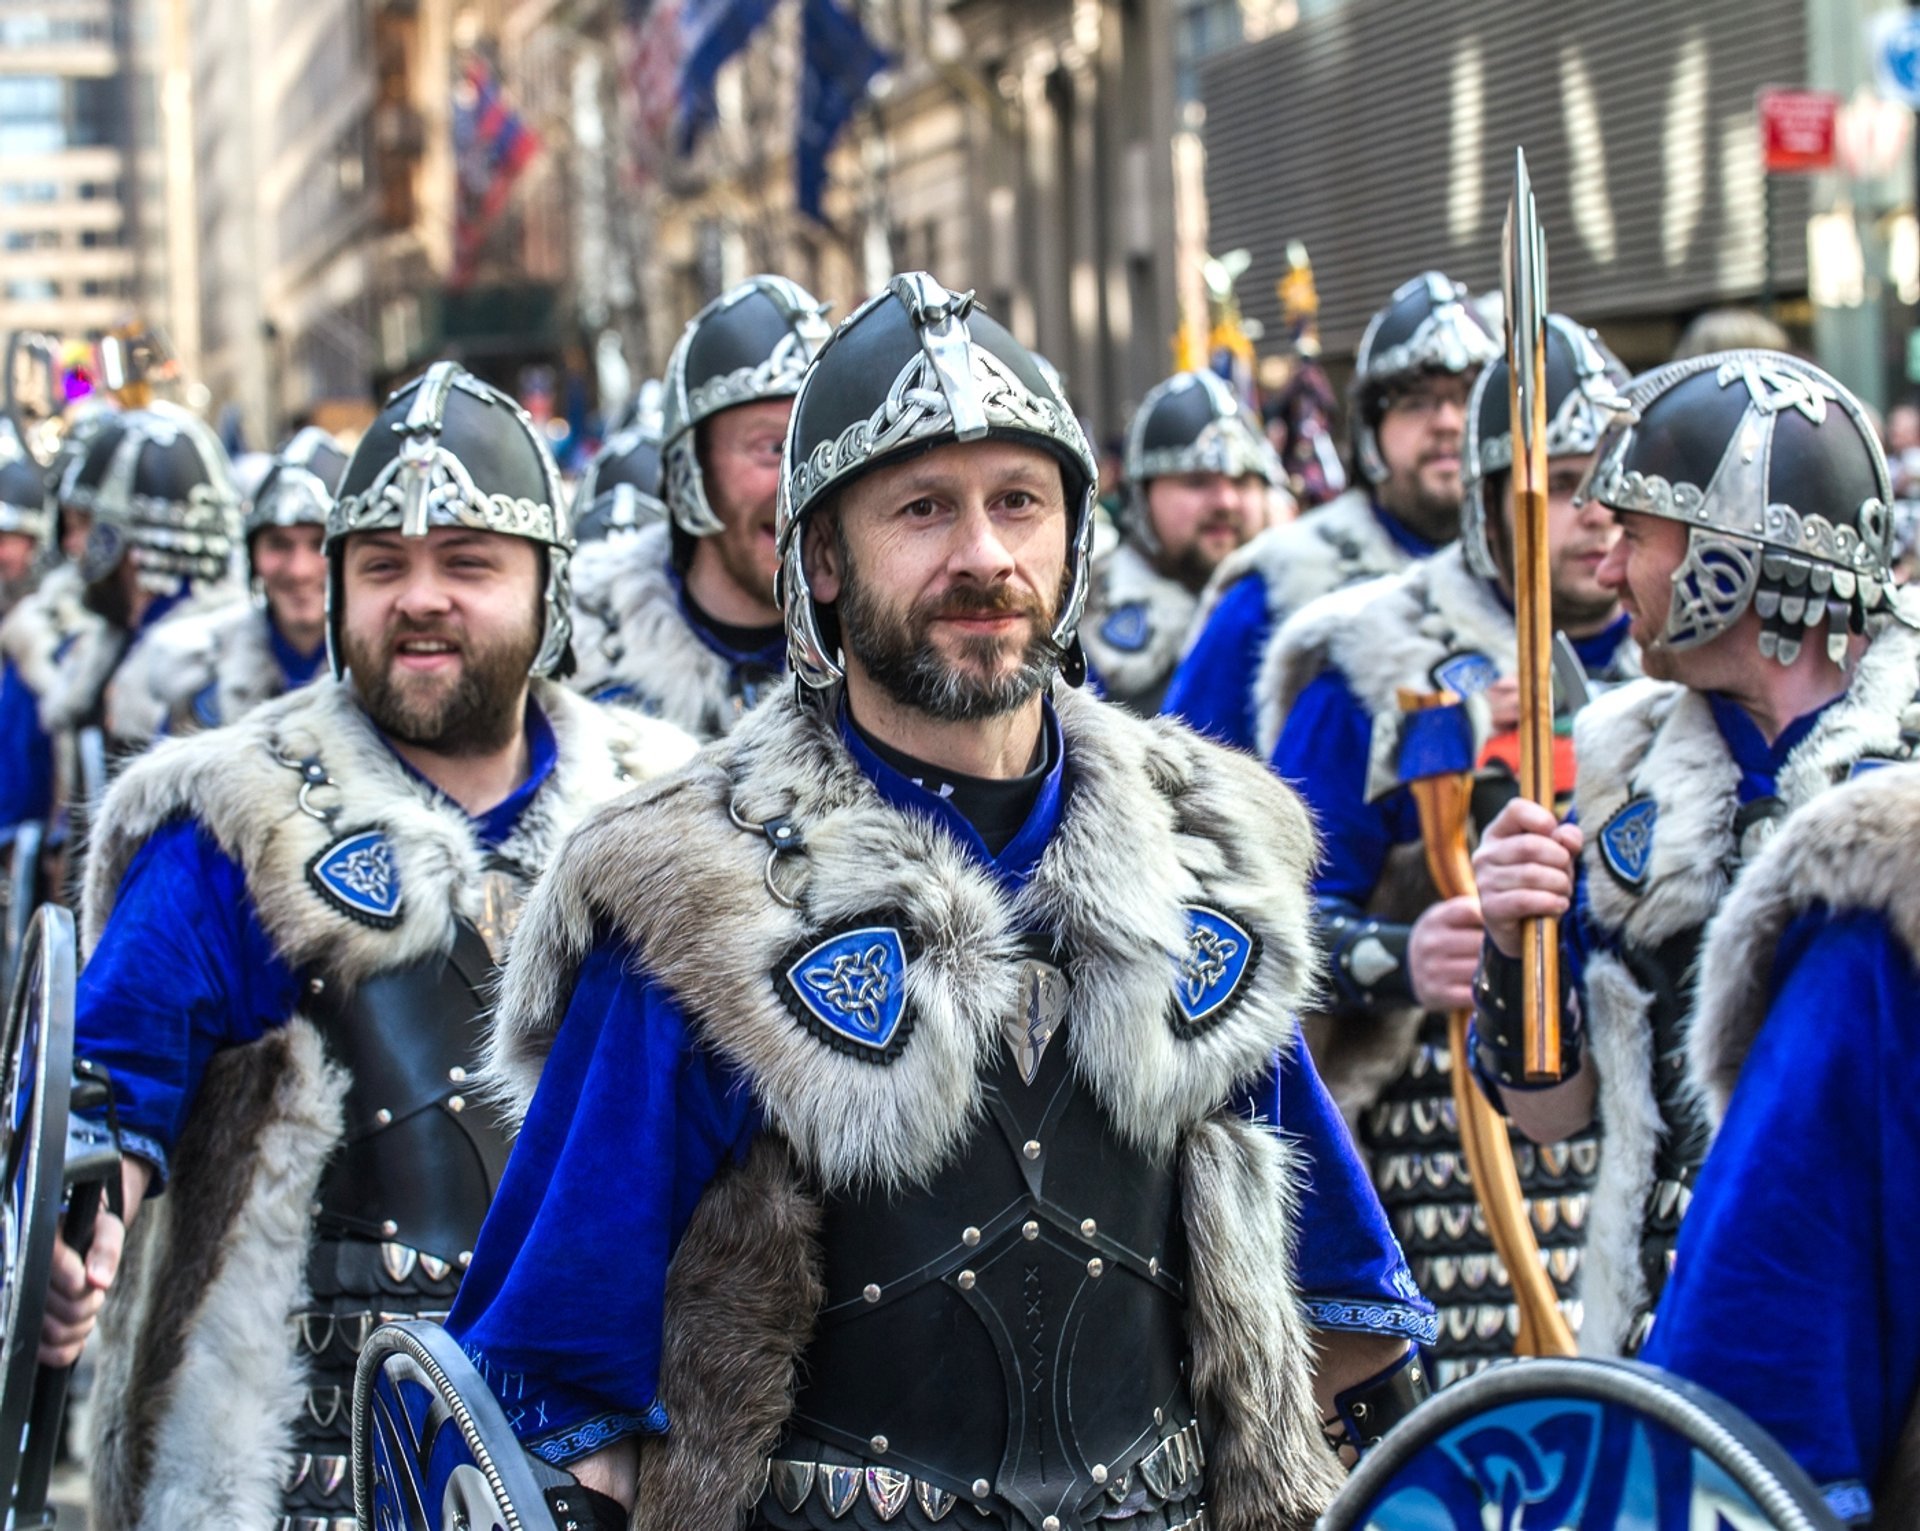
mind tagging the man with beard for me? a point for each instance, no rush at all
(1417, 360)
(680, 620)
(906, 1070)
(1200, 481)
(293, 925)
(1752, 497)
(1401, 956)
(26, 521)
(211, 668)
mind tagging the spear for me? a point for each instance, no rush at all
(1523, 274)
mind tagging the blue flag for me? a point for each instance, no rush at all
(839, 63)
(711, 32)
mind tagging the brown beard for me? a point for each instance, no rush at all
(476, 717)
(900, 657)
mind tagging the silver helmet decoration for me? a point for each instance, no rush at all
(750, 344)
(1584, 384)
(620, 491)
(297, 488)
(913, 367)
(26, 506)
(1778, 476)
(450, 450)
(158, 485)
(1193, 422)
(1429, 325)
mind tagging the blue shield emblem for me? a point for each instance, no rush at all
(1208, 974)
(206, 705)
(850, 991)
(1626, 841)
(1465, 675)
(1126, 628)
(357, 874)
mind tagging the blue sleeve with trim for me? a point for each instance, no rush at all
(26, 754)
(1212, 690)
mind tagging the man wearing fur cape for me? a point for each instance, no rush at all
(207, 668)
(1792, 1292)
(293, 925)
(1400, 955)
(1753, 501)
(903, 1143)
(1417, 359)
(680, 619)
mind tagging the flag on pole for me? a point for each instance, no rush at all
(711, 32)
(492, 146)
(838, 63)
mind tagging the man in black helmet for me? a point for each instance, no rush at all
(292, 926)
(910, 1067)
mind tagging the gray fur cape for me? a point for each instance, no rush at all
(1155, 819)
(199, 1381)
(1654, 739)
(227, 647)
(629, 630)
(1858, 847)
(1135, 627)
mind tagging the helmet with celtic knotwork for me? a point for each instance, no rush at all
(1191, 423)
(620, 491)
(158, 485)
(914, 367)
(1428, 326)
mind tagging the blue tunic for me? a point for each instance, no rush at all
(1793, 1292)
(576, 1360)
(185, 968)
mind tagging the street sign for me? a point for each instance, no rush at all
(1797, 129)
(1894, 39)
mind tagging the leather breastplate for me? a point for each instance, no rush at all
(1012, 1333)
(419, 1162)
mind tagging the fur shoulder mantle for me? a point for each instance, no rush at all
(1136, 624)
(41, 622)
(630, 634)
(1156, 822)
(282, 787)
(227, 647)
(1854, 849)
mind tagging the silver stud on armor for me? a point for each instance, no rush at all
(1153, 1266)
(383, 1117)
(1096, 1267)
(970, 1237)
(871, 1292)
(317, 986)
(1051, 1523)
(1089, 1228)
(1029, 1230)
(878, 1445)
(1099, 1473)
(457, 1074)
(981, 1488)
(466, 1258)
(1031, 1148)
(456, 1103)
(965, 1281)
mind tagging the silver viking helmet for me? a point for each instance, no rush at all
(1779, 477)
(158, 485)
(450, 450)
(914, 367)
(750, 344)
(1191, 423)
(298, 486)
(1584, 383)
(620, 491)
(1428, 325)
(26, 506)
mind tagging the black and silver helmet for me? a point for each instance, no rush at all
(297, 488)
(620, 491)
(158, 485)
(1191, 423)
(914, 367)
(1779, 477)
(450, 450)
(750, 344)
(1584, 385)
(1428, 325)
(26, 507)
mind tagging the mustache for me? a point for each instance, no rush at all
(980, 601)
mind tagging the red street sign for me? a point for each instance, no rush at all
(1797, 129)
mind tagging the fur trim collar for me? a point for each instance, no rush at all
(164, 673)
(1383, 635)
(1135, 627)
(1853, 849)
(244, 784)
(96, 649)
(40, 622)
(629, 631)
(1156, 820)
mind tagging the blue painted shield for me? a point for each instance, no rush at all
(358, 875)
(1208, 974)
(1465, 675)
(1626, 840)
(852, 987)
(1126, 628)
(1577, 1446)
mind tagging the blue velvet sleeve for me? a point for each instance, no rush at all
(1212, 690)
(182, 969)
(1323, 753)
(26, 755)
(1793, 1292)
(1351, 1272)
(563, 1305)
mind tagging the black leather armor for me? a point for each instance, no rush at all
(1007, 1340)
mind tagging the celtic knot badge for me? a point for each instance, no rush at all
(1210, 973)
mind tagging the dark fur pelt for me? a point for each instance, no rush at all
(742, 1294)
